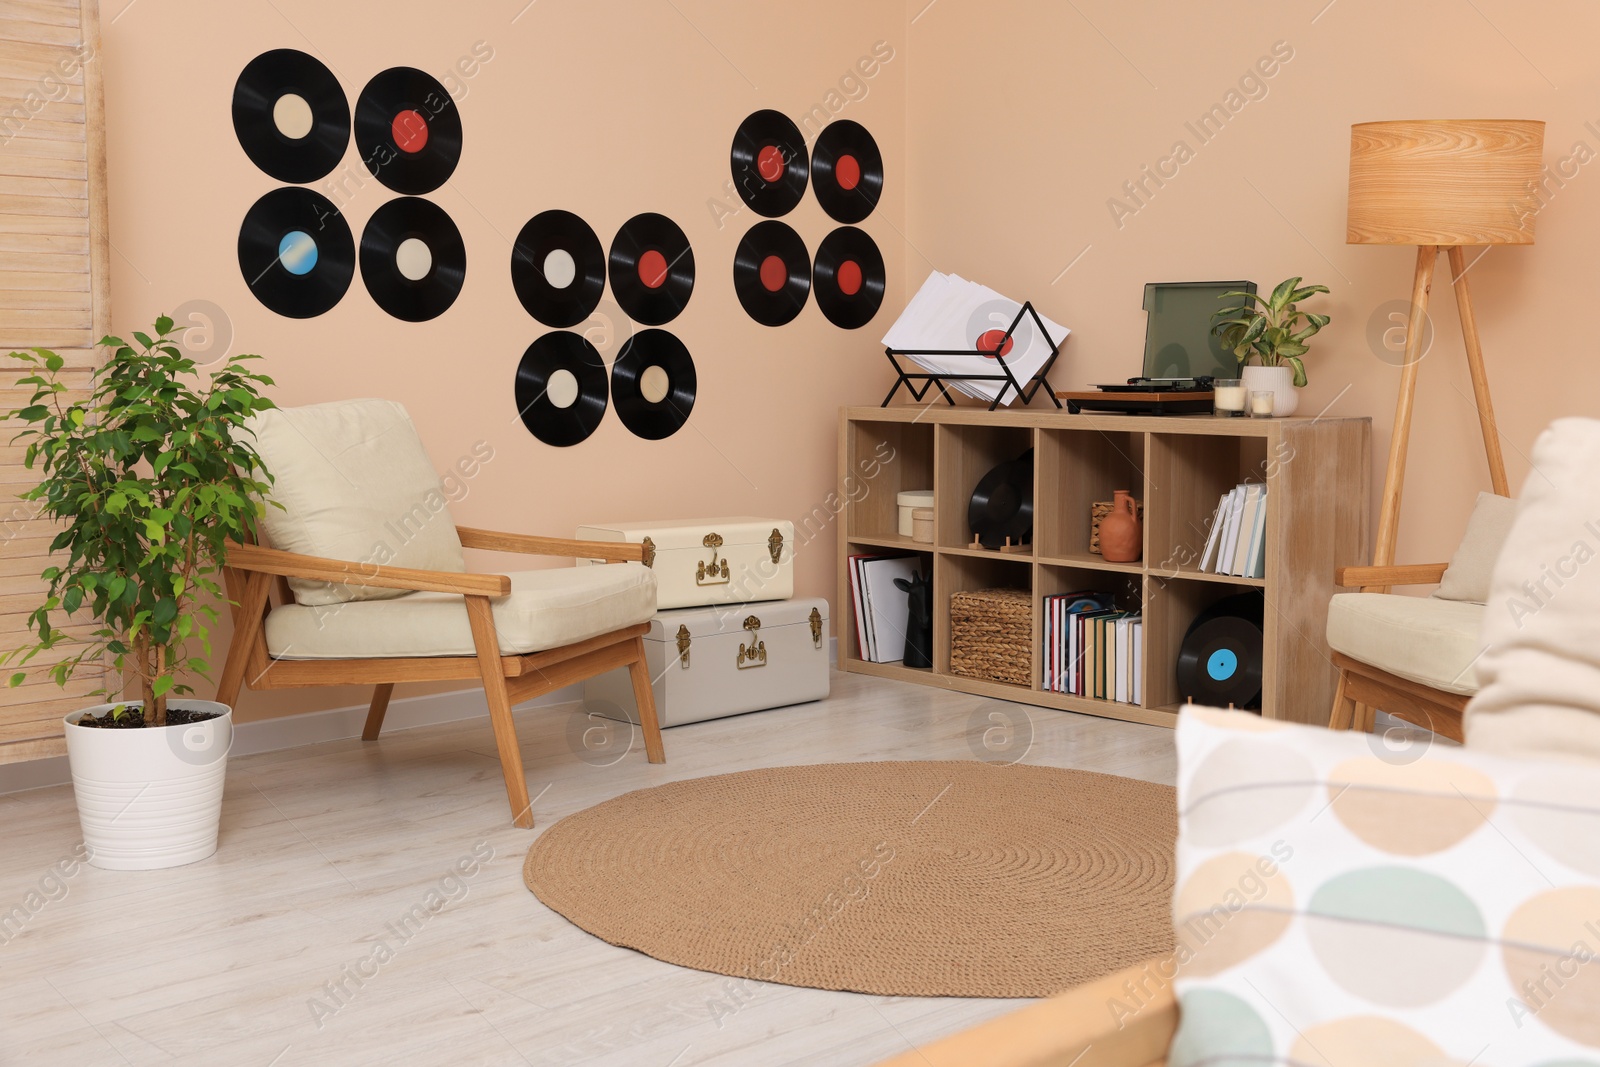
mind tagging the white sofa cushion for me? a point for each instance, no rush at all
(1541, 670)
(1424, 639)
(1467, 577)
(355, 484)
(546, 609)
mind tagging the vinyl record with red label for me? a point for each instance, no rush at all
(561, 388)
(558, 268)
(848, 278)
(408, 130)
(653, 384)
(770, 165)
(652, 269)
(291, 116)
(772, 273)
(296, 252)
(413, 260)
(847, 171)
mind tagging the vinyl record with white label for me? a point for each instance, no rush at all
(291, 115)
(408, 130)
(413, 260)
(558, 268)
(296, 252)
(561, 388)
(653, 384)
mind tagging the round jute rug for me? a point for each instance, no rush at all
(899, 879)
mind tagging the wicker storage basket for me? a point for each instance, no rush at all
(991, 635)
(1099, 510)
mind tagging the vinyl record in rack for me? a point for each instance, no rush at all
(769, 161)
(290, 115)
(558, 268)
(561, 388)
(846, 171)
(652, 269)
(653, 384)
(296, 252)
(408, 130)
(1001, 507)
(412, 259)
(848, 278)
(1219, 661)
(772, 273)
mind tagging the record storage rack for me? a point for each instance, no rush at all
(1317, 471)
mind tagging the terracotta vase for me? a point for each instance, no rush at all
(1122, 532)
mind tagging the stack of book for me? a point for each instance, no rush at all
(880, 605)
(1237, 543)
(1091, 649)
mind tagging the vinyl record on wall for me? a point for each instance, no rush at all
(413, 261)
(846, 171)
(558, 268)
(296, 252)
(652, 269)
(772, 273)
(769, 161)
(408, 130)
(291, 115)
(561, 388)
(1219, 661)
(653, 384)
(848, 278)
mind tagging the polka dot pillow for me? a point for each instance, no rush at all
(1344, 900)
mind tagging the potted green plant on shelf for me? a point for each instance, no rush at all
(1275, 332)
(148, 478)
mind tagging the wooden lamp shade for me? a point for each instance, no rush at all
(1443, 182)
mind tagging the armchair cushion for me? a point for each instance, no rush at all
(1434, 642)
(546, 609)
(355, 484)
(1467, 577)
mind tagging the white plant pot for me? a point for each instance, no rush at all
(1277, 380)
(150, 798)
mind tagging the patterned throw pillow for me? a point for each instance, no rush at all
(1344, 900)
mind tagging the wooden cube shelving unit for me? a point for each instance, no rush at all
(1317, 471)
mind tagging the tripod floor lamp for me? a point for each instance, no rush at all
(1443, 184)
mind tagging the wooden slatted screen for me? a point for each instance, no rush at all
(54, 291)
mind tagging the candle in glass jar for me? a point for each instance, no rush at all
(1261, 403)
(1228, 396)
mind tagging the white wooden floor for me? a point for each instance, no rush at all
(287, 947)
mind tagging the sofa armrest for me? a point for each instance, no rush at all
(343, 572)
(494, 541)
(1404, 574)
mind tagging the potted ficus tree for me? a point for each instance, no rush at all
(149, 478)
(1275, 332)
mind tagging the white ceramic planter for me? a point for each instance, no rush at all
(1277, 380)
(150, 798)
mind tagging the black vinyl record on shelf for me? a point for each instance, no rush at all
(291, 115)
(848, 278)
(408, 130)
(653, 384)
(1001, 506)
(652, 269)
(772, 273)
(769, 161)
(846, 171)
(1220, 659)
(561, 388)
(413, 261)
(558, 268)
(296, 252)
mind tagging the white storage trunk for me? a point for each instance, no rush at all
(707, 663)
(710, 561)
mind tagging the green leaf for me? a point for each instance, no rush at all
(162, 684)
(163, 325)
(1280, 295)
(18, 678)
(1299, 369)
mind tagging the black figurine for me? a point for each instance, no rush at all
(919, 620)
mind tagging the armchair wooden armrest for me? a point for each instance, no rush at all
(1404, 574)
(494, 541)
(343, 572)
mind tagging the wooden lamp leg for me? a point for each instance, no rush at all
(377, 710)
(1480, 377)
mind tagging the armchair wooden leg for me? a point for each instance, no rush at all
(1366, 718)
(1344, 708)
(376, 711)
(252, 605)
(487, 643)
(644, 696)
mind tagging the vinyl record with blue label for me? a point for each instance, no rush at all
(296, 252)
(291, 116)
(1220, 660)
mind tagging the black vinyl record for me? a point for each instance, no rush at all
(652, 269)
(770, 165)
(848, 278)
(772, 273)
(1219, 661)
(291, 115)
(408, 130)
(1002, 505)
(296, 252)
(653, 384)
(412, 259)
(561, 388)
(558, 268)
(846, 171)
